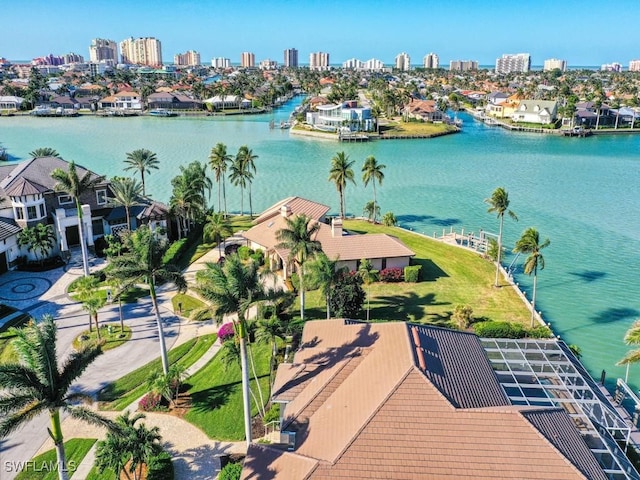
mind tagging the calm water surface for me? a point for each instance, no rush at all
(580, 193)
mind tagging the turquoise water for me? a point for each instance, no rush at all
(580, 193)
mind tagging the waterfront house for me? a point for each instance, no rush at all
(10, 103)
(220, 102)
(346, 116)
(395, 400)
(384, 251)
(122, 100)
(424, 110)
(172, 101)
(543, 112)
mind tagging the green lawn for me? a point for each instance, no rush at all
(121, 393)
(187, 304)
(7, 353)
(42, 467)
(108, 474)
(112, 338)
(216, 395)
(450, 276)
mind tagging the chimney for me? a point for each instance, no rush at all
(285, 211)
(336, 227)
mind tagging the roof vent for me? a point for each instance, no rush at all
(336, 227)
(285, 211)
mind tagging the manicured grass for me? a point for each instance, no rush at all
(7, 352)
(111, 339)
(187, 302)
(450, 276)
(130, 296)
(120, 394)
(108, 474)
(415, 128)
(216, 395)
(42, 466)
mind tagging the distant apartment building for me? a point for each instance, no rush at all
(50, 59)
(319, 61)
(102, 50)
(247, 60)
(220, 62)
(513, 63)
(373, 65)
(431, 60)
(189, 59)
(611, 67)
(403, 62)
(634, 66)
(72, 58)
(291, 58)
(141, 51)
(268, 64)
(353, 64)
(554, 64)
(463, 65)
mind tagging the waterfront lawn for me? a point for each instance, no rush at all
(41, 466)
(414, 128)
(450, 276)
(216, 395)
(120, 394)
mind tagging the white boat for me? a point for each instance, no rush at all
(162, 112)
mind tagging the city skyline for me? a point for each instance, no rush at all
(363, 30)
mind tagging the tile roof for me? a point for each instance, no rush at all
(363, 405)
(24, 187)
(298, 206)
(8, 228)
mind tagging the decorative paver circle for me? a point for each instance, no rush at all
(24, 289)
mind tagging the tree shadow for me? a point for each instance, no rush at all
(615, 314)
(211, 398)
(589, 275)
(408, 307)
(430, 271)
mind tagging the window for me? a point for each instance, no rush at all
(101, 197)
(32, 213)
(19, 213)
(43, 212)
(64, 199)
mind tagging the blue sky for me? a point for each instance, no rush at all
(584, 32)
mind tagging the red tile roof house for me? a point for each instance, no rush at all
(401, 401)
(384, 251)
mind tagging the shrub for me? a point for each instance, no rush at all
(175, 250)
(392, 275)
(347, 296)
(540, 331)
(245, 253)
(150, 402)
(226, 332)
(258, 257)
(231, 471)
(160, 467)
(493, 329)
(412, 273)
(462, 316)
(272, 414)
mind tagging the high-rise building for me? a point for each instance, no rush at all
(103, 50)
(611, 67)
(220, 62)
(50, 59)
(463, 65)
(73, 58)
(247, 60)
(403, 62)
(319, 61)
(291, 58)
(268, 64)
(353, 64)
(431, 60)
(634, 66)
(190, 58)
(554, 64)
(512, 63)
(141, 51)
(373, 65)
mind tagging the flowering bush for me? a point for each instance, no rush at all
(150, 402)
(392, 275)
(226, 332)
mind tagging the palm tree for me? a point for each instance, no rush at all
(217, 229)
(372, 172)
(143, 161)
(40, 239)
(368, 275)
(389, 220)
(36, 385)
(371, 211)
(143, 263)
(232, 288)
(44, 152)
(632, 337)
(126, 193)
(529, 243)
(92, 304)
(270, 330)
(499, 203)
(340, 173)
(298, 237)
(248, 159)
(218, 160)
(71, 183)
(325, 273)
(240, 176)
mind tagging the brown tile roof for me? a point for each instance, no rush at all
(298, 206)
(363, 407)
(25, 187)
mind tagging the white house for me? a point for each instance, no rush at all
(346, 115)
(536, 111)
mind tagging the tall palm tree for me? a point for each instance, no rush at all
(340, 173)
(36, 384)
(325, 273)
(499, 203)
(248, 158)
(298, 237)
(143, 161)
(44, 152)
(240, 176)
(632, 337)
(372, 172)
(92, 304)
(74, 185)
(529, 244)
(232, 288)
(196, 174)
(371, 210)
(217, 229)
(126, 193)
(368, 275)
(219, 160)
(143, 264)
